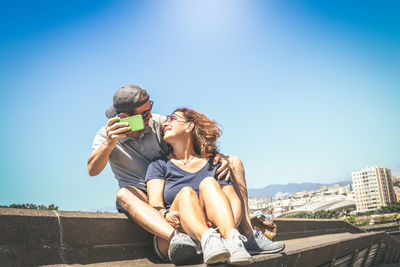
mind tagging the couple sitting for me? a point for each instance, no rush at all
(184, 188)
(172, 181)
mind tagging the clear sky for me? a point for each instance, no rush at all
(306, 91)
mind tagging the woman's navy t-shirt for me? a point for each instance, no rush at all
(176, 178)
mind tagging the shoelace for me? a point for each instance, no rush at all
(257, 233)
(236, 244)
(212, 233)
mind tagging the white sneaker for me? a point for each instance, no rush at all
(239, 254)
(214, 249)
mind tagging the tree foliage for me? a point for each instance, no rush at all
(390, 208)
(320, 214)
(31, 206)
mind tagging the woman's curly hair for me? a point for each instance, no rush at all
(205, 132)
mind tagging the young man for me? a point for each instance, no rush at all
(129, 155)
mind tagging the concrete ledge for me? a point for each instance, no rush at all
(343, 249)
(32, 238)
(299, 228)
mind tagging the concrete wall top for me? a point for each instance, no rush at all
(40, 237)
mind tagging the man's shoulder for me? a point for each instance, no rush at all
(101, 133)
(99, 138)
(102, 130)
(161, 159)
(158, 119)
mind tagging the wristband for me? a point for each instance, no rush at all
(165, 213)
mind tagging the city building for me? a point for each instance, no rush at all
(397, 193)
(336, 197)
(396, 180)
(373, 188)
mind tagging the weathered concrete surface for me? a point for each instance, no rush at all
(320, 250)
(32, 238)
(299, 228)
(387, 227)
(34, 233)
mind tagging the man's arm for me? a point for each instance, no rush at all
(223, 170)
(98, 159)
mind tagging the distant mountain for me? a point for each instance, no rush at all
(272, 189)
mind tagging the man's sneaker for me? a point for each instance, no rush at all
(214, 249)
(234, 243)
(155, 246)
(259, 244)
(182, 250)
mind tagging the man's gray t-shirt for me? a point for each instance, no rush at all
(131, 157)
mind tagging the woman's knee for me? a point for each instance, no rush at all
(186, 192)
(208, 182)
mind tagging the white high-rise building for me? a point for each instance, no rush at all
(373, 188)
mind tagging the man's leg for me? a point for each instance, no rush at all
(135, 202)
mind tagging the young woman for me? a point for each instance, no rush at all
(183, 187)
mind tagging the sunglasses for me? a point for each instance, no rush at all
(147, 112)
(174, 117)
(144, 114)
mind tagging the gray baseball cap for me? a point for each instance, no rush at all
(126, 99)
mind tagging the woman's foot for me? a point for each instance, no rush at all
(239, 254)
(214, 249)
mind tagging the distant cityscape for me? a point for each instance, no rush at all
(370, 189)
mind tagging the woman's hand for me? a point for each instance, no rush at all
(172, 218)
(224, 168)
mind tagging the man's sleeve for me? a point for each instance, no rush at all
(99, 139)
(157, 125)
(156, 170)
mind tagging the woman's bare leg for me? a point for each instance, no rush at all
(236, 204)
(217, 206)
(191, 214)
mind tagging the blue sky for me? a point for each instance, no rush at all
(306, 91)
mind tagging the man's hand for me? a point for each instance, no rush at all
(172, 218)
(224, 168)
(115, 130)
